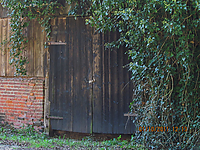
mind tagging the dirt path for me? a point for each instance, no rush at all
(8, 147)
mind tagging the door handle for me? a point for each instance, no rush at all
(92, 81)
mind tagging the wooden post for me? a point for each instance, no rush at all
(46, 106)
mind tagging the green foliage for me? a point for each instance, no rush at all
(28, 137)
(163, 42)
(21, 12)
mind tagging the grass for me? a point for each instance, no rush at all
(31, 139)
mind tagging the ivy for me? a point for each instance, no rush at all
(163, 42)
(21, 13)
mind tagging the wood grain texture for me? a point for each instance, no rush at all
(90, 88)
(34, 49)
(85, 106)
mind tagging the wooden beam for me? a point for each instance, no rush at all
(130, 115)
(54, 117)
(46, 106)
(56, 43)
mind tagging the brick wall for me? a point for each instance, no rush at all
(22, 101)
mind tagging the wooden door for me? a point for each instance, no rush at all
(89, 87)
(70, 73)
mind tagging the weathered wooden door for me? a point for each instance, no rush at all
(88, 85)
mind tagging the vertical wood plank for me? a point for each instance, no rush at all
(2, 48)
(61, 24)
(46, 106)
(121, 86)
(115, 103)
(10, 68)
(4, 54)
(109, 88)
(72, 91)
(89, 76)
(45, 54)
(53, 84)
(54, 30)
(86, 61)
(97, 94)
(109, 115)
(34, 49)
(73, 66)
(104, 89)
(30, 48)
(70, 24)
(37, 49)
(7, 69)
(77, 107)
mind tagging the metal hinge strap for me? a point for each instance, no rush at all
(54, 117)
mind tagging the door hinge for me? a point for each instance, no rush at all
(54, 117)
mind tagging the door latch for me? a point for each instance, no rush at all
(92, 81)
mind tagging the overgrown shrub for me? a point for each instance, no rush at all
(163, 41)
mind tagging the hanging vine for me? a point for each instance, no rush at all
(163, 41)
(21, 13)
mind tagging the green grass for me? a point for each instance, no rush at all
(29, 138)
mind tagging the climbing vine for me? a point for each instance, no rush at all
(21, 13)
(163, 42)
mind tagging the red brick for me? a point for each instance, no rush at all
(31, 84)
(18, 96)
(29, 103)
(17, 86)
(26, 97)
(42, 97)
(26, 109)
(5, 108)
(17, 83)
(22, 90)
(21, 103)
(24, 83)
(10, 86)
(30, 123)
(10, 105)
(18, 108)
(31, 94)
(14, 94)
(32, 97)
(12, 117)
(2, 101)
(17, 123)
(22, 99)
(5, 82)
